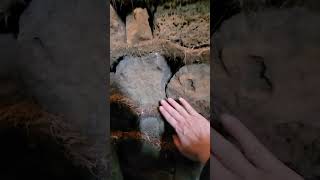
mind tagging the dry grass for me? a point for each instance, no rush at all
(118, 136)
(133, 107)
(166, 48)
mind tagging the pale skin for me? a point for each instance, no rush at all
(250, 161)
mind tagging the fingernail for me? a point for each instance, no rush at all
(180, 98)
(162, 101)
(170, 99)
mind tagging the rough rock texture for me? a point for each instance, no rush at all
(267, 72)
(137, 27)
(143, 79)
(117, 29)
(64, 67)
(139, 85)
(193, 83)
(187, 25)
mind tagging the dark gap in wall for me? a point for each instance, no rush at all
(113, 66)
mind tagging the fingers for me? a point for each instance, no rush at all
(219, 171)
(230, 156)
(171, 111)
(188, 107)
(178, 107)
(252, 148)
(168, 117)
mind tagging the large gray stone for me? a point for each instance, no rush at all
(192, 82)
(143, 79)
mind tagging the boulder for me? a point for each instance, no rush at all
(143, 79)
(192, 82)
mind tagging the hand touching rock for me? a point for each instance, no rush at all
(252, 161)
(193, 130)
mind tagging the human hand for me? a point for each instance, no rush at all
(252, 162)
(193, 130)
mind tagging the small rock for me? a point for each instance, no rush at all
(192, 82)
(137, 27)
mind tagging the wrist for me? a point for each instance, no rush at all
(204, 157)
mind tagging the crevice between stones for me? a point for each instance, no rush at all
(113, 66)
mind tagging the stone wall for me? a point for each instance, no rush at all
(160, 53)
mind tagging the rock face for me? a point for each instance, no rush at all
(141, 83)
(193, 83)
(267, 74)
(64, 67)
(140, 72)
(117, 29)
(137, 27)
